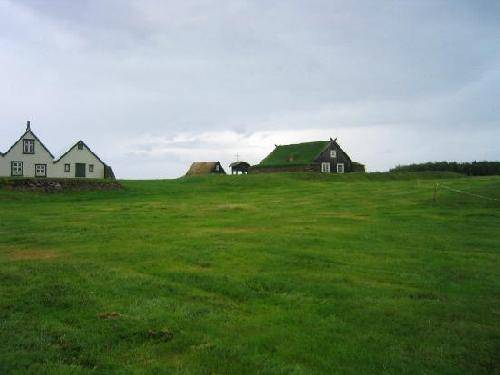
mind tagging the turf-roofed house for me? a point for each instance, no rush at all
(29, 157)
(204, 168)
(318, 156)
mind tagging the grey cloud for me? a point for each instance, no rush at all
(110, 71)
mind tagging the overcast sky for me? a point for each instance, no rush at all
(153, 85)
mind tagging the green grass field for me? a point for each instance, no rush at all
(271, 273)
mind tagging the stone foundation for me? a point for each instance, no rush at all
(50, 185)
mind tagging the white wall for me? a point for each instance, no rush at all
(54, 169)
(78, 156)
(41, 156)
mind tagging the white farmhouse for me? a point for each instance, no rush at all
(29, 157)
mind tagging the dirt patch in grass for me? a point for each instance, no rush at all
(231, 230)
(344, 215)
(164, 335)
(234, 207)
(32, 255)
(239, 230)
(109, 315)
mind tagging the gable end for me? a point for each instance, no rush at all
(34, 137)
(83, 146)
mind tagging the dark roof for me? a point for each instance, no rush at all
(296, 154)
(239, 163)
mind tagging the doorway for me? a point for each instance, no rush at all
(80, 170)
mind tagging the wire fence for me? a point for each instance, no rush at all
(465, 192)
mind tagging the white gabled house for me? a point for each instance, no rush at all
(28, 157)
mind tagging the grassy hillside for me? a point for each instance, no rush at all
(290, 273)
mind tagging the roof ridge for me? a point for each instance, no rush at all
(302, 143)
(72, 147)
(326, 146)
(28, 130)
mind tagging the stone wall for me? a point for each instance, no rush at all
(57, 185)
(296, 168)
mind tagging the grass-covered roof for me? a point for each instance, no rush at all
(295, 154)
(203, 167)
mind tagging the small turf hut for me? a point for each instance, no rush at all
(319, 156)
(205, 167)
(239, 167)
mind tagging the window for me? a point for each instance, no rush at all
(67, 167)
(40, 170)
(16, 168)
(340, 167)
(28, 146)
(217, 167)
(80, 145)
(333, 154)
(91, 167)
(325, 167)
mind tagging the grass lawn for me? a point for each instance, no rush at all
(269, 273)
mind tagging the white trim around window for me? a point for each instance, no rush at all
(340, 167)
(40, 170)
(333, 154)
(16, 168)
(325, 167)
(28, 146)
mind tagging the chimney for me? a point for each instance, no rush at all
(28, 125)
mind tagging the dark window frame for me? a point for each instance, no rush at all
(91, 168)
(67, 167)
(12, 168)
(45, 169)
(80, 145)
(31, 142)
